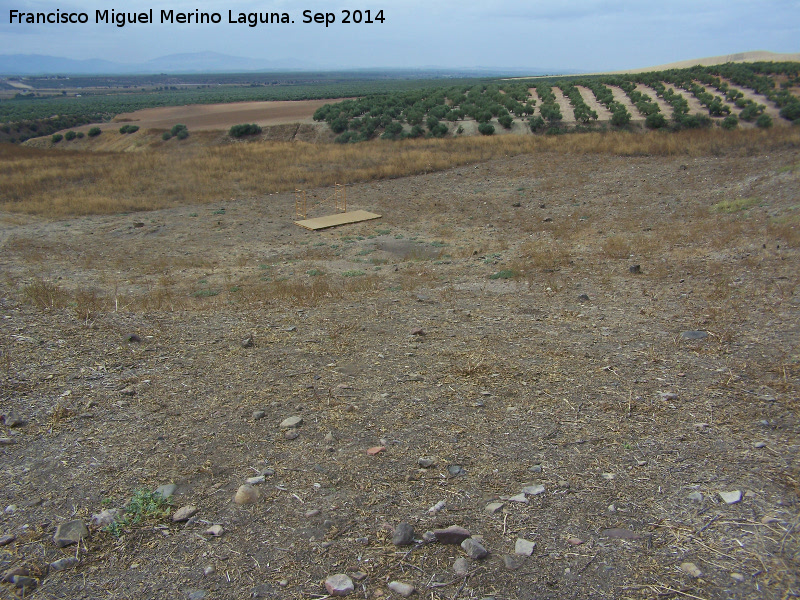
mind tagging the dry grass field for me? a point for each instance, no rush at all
(613, 316)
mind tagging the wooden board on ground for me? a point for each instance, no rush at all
(338, 219)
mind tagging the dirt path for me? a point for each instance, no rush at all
(565, 106)
(666, 108)
(772, 110)
(603, 114)
(621, 97)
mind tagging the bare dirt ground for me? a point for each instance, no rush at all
(209, 117)
(603, 114)
(492, 320)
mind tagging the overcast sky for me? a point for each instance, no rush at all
(590, 35)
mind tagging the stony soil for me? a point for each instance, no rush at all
(168, 347)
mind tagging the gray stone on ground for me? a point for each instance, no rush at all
(259, 414)
(339, 585)
(695, 496)
(70, 532)
(533, 490)
(494, 507)
(694, 335)
(184, 514)
(166, 490)
(403, 535)
(403, 589)
(426, 462)
(691, 569)
(291, 422)
(474, 548)
(524, 547)
(452, 535)
(512, 563)
(521, 498)
(65, 563)
(731, 497)
(12, 419)
(106, 517)
(461, 566)
(215, 530)
(5, 540)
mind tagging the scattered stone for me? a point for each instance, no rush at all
(215, 530)
(524, 547)
(196, 594)
(694, 335)
(358, 576)
(184, 514)
(536, 469)
(749, 494)
(512, 563)
(436, 507)
(5, 441)
(256, 480)
(573, 541)
(13, 420)
(737, 577)
(71, 532)
(403, 535)
(563, 483)
(521, 498)
(375, 450)
(209, 570)
(455, 470)
(418, 331)
(691, 570)
(426, 462)
(461, 566)
(760, 445)
(769, 520)
(259, 414)
(246, 494)
(133, 338)
(312, 513)
(494, 507)
(695, 497)
(11, 509)
(128, 391)
(19, 570)
(668, 396)
(329, 438)
(404, 589)
(533, 490)
(635, 269)
(731, 497)
(247, 342)
(23, 581)
(339, 585)
(584, 298)
(106, 517)
(608, 476)
(291, 434)
(474, 548)
(291, 423)
(428, 537)
(620, 534)
(63, 564)
(452, 535)
(166, 490)
(5, 540)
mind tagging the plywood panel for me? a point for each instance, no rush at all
(338, 219)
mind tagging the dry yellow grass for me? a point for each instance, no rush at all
(55, 183)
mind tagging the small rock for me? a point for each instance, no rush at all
(184, 514)
(494, 507)
(760, 445)
(536, 469)
(737, 577)
(428, 537)
(461, 566)
(247, 342)
(312, 513)
(668, 396)
(452, 535)
(291, 434)
(533, 490)
(64, 563)
(13, 420)
(418, 331)
(259, 414)
(512, 563)
(329, 438)
(583, 298)
(10, 509)
(256, 480)
(246, 494)
(196, 594)
(209, 570)
(23, 581)
(608, 476)
(691, 570)
(573, 541)
(215, 530)
(769, 520)
(375, 450)
(524, 547)
(731, 497)
(474, 548)
(521, 498)
(5, 540)
(339, 585)
(19, 570)
(437, 507)
(426, 462)
(128, 391)
(563, 483)
(694, 335)
(359, 576)
(455, 470)
(403, 535)
(635, 269)
(105, 518)
(404, 589)
(133, 338)
(70, 532)
(695, 497)
(166, 490)
(291, 423)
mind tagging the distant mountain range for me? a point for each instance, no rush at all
(203, 62)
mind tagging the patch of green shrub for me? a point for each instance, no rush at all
(764, 121)
(244, 129)
(129, 129)
(95, 131)
(70, 135)
(57, 137)
(486, 129)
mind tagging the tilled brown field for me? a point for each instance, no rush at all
(620, 331)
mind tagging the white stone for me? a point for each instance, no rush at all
(404, 589)
(524, 547)
(731, 497)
